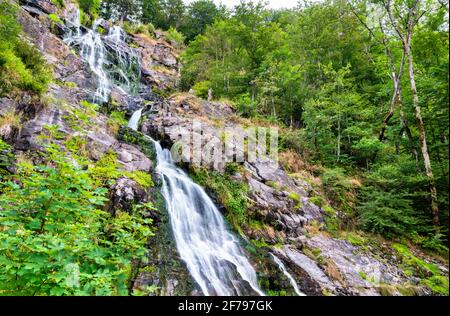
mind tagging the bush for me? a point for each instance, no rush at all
(175, 37)
(22, 66)
(54, 18)
(55, 236)
(386, 213)
(201, 89)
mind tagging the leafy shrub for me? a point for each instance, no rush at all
(175, 37)
(291, 140)
(115, 120)
(21, 64)
(246, 106)
(54, 18)
(142, 178)
(6, 157)
(201, 89)
(387, 213)
(54, 235)
(339, 189)
(138, 28)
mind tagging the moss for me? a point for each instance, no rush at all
(387, 290)
(70, 84)
(429, 273)
(142, 178)
(294, 196)
(355, 239)
(317, 200)
(55, 19)
(274, 185)
(230, 193)
(363, 275)
(314, 254)
(259, 243)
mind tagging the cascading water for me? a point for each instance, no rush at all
(134, 120)
(212, 254)
(92, 50)
(126, 67)
(287, 274)
(121, 64)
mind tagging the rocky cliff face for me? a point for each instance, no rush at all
(291, 224)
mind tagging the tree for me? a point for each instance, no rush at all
(199, 15)
(403, 23)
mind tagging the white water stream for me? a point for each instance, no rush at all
(287, 274)
(91, 49)
(212, 254)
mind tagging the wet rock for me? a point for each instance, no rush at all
(124, 194)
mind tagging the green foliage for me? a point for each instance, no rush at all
(6, 157)
(54, 18)
(90, 7)
(136, 28)
(318, 70)
(55, 236)
(175, 37)
(142, 178)
(201, 89)
(387, 214)
(22, 66)
(230, 193)
(115, 120)
(59, 3)
(105, 170)
(429, 273)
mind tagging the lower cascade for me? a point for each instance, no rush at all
(287, 274)
(212, 254)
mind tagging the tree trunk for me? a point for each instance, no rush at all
(394, 101)
(422, 134)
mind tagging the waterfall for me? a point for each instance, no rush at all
(287, 274)
(119, 64)
(92, 50)
(212, 254)
(134, 120)
(126, 68)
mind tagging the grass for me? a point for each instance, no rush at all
(9, 121)
(429, 273)
(115, 120)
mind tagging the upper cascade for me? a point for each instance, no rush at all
(109, 57)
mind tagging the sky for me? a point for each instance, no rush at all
(274, 4)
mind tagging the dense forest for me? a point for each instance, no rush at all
(358, 88)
